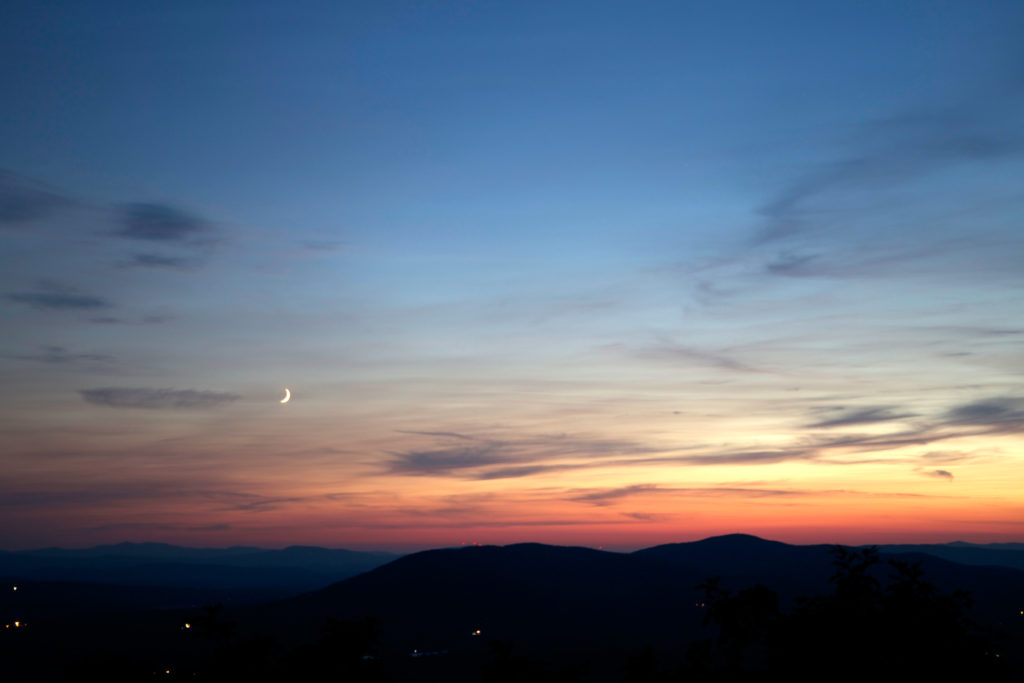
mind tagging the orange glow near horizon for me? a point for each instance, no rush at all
(599, 463)
(634, 501)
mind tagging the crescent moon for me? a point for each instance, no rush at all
(287, 395)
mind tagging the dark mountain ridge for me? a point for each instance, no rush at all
(527, 592)
(436, 613)
(991, 554)
(539, 589)
(292, 570)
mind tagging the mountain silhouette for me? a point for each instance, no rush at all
(264, 574)
(600, 605)
(991, 554)
(448, 614)
(529, 593)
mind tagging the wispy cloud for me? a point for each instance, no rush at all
(860, 416)
(51, 296)
(472, 523)
(157, 319)
(157, 526)
(523, 471)
(999, 414)
(942, 474)
(151, 260)
(747, 457)
(448, 460)
(669, 351)
(119, 397)
(445, 435)
(57, 302)
(608, 496)
(978, 418)
(852, 262)
(501, 459)
(249, 502)
(939, 457)
(790, 262)
(604, 496)
(217, 498)
(69, 495)
(23, 200)
(645, 516)
(887, 151)
(59, 355)
(159, 223)
(532, 456)
(323, 245)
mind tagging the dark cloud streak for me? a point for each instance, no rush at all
(58, 355)
(117, 397)
(489, 460)
(159, 223)
(999, 414)
(514, 458)
(446, 435)
(23, 200)
(160, 261)
(448, 460)
(861, 416)
(155, 526)
(58, 301)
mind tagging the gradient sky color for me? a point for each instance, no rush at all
(579, 272)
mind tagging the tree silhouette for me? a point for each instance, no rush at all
(907, 630)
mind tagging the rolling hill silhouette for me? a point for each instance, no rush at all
(742, 559)
(990, 554)
(529, 593)
(447, 614)
(599, 605)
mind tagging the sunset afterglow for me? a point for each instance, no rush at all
(396, 278)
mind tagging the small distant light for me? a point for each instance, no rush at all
(188, 625)
(167, 671)
(17, 624)
(476, 632)
(14, 588)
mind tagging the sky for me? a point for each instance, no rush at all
(586, 273)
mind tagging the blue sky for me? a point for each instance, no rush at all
(672, 228)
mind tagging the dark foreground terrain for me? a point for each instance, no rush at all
(726, 608)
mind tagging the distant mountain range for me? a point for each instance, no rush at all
(563, 594)
(450, 606)
(236, 573)
(994, 554)
(569, 604)
(297, 569)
